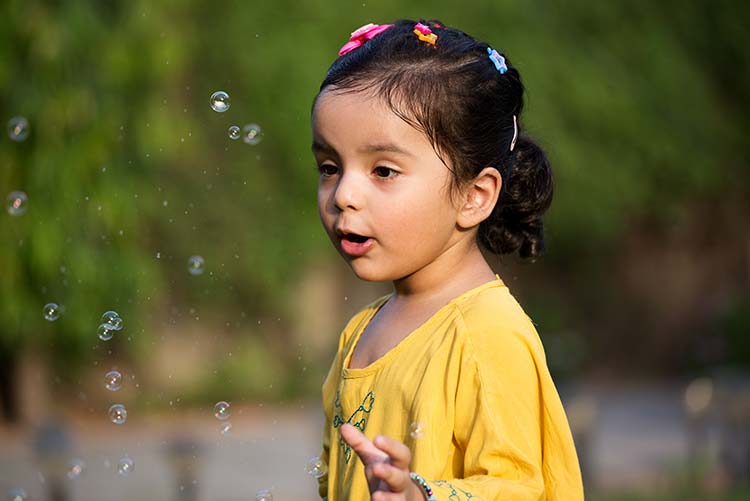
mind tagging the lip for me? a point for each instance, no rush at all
(355, 249)
(342, 230)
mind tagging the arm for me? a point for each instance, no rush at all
(510, 423)
(328, 390)
(323, 480)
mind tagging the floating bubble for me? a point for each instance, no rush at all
(416, 430)
(125, 466)
(698, 395)
(51, 311)
(112, 320)
(16, 203)
(75, 469)
(104, 332)
(18, 128)
(221, 410)
(225, 428)
(234, 132)
(220, 101)
(196, 265)
(316, 467)
(264, 495)
(113, 380)
(251, 134)
(17, 494)
(118, 414)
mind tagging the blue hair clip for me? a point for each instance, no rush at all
(499, 60)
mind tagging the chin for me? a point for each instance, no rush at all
(368, 274)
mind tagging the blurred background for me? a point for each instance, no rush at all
(124, 191)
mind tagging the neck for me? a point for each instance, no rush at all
(460, 268)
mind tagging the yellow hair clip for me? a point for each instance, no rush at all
(424, 33)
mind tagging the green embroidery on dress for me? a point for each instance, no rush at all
(360, 413)
(454, 496)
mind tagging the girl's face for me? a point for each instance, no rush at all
(383, 193)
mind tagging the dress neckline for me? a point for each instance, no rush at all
(350, 373)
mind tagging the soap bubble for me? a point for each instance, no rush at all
(316, 467)
(112, 320)
(18, 128)
(118, 414)
(17, 494)
(16, 203)
(225, 428)
(416, 430)
(234, 132)
(51, 311)
(125, 466)
(220, 101)
(75, 468)
(113, 380)
(104, 332)
(251, 134)
(264, 495)
(221, 410)
(195, 265)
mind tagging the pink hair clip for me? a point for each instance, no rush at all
(362, 35)
(424, 33)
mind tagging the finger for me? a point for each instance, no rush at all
(399, 453)
(398, 480)
(362, 445)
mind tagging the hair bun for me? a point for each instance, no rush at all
(516, 222)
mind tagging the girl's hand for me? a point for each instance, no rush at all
(386, 466)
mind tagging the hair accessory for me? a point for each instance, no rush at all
(424, 33)
(515, 133)
(499, 60)
(361, 35)
(422, 483)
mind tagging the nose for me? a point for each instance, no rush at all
(348, 193)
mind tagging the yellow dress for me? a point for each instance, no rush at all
(469, 392)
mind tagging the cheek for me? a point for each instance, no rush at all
(322, 198)
(324, 213)
(409, 220)
(429, 204)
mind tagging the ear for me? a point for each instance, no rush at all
(479, 198)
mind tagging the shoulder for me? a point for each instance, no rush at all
(494, 325)
(362, 316)
(354, 324)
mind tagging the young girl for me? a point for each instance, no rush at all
(439, 390)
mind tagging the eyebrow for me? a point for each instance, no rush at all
(321, 147)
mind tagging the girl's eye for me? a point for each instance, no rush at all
(327, 169)
(385, 172)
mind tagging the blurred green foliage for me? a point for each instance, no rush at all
(643, 109)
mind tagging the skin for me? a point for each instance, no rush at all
(424, 239)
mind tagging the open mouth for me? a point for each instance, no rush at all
(357, 239)
(355, 245)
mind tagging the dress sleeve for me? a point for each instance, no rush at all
(510, 423)
(323, 481)
(329, 388)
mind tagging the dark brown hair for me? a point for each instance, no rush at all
(453, 93)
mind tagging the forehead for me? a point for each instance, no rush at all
(355, 118)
